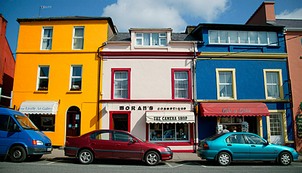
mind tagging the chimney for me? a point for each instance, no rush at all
(265, 14)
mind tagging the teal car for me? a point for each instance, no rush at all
(242, 146)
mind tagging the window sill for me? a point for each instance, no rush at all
(74, 92)
(40, 92)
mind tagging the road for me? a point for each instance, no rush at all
(69, 165)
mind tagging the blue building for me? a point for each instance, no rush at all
(242, 81)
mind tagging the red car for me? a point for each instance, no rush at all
(114, 144)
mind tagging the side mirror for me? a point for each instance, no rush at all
(132, 141)
(266, 143)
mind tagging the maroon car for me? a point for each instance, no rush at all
(114, 144)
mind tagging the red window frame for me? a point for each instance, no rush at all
(189, 83)
(112, 82)
(111, 123)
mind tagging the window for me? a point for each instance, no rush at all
(100, 135)
(43, 122)
(273, 84)
(181, 83)
(226, 86)
(235, 139)
(43, 75)
(120, 84)
(46, 38)
(78, 38)
(168, 132)
(151, 39)
(275, 124)
(122, 137)
(76, 78)
(243, 37)
(4, 122)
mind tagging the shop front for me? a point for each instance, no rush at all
(167, 124)
(246, 117)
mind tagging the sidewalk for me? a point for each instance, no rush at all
(177, 157)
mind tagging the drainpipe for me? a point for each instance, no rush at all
(100, 58)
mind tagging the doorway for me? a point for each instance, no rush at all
(276, 128)
(73, 121)
(120, 121)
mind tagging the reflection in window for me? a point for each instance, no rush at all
(168, 132)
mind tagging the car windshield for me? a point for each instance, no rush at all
(25, 122)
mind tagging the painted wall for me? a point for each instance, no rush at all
(60, 59)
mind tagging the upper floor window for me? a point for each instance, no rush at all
(273, 84)
(181, 83)
(43, 77)
(76, 78)
(243, 37)
(120, 84)
(46, 38)
(226, 86)
(151, 39)
(78, 38)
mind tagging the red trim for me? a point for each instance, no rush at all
(113, 70)
(145, 53)
(233, 109)
(189, 83)
(111, 123)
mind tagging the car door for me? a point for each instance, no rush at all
(237, 145)
(9, 133)
(126, 146)
(102, 144)
(259, 148)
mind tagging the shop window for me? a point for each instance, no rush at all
(273, 84)
(226, 85)
(43, 122)
(43, 77)
(168, 132)
(120, 84)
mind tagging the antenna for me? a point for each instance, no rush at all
(43, 7)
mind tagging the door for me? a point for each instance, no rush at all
(238, 146)
(259, 150)
(126, 147)
(102, 143)
(73, 122)
(276, 128)
(7, 134)
(120, 121)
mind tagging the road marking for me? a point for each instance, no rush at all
(50, 163)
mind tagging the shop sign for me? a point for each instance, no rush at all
(236, 110)
(299, 125)
(168, 118)
(152, 108)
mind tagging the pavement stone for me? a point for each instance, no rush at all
(177, 157)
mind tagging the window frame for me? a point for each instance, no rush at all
(234, 88)
(77, 37)
(189, 89)
(161, 36)
(270, 37)
(280, 87)
(46, 38)
(113, 70)
(71, 77)
(38, 88)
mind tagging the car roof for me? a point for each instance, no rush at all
(7, 111)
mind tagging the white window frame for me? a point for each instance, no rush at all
(227, 41)
(279, 71)
(284, 125)
(139, 37)
(42, 77)
(46, 38)
(71, 87)
(233, 71)
(78, 37)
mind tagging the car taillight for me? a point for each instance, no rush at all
(205, 146)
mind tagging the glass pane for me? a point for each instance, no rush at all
(139, 41)
(253, 37)
(44, 71)
(155, 39)
(156, 132)
(121, 84)
(181, 84)
(243, 36)
(226, 84)
(169, 132)
(47, 33)
(263, 37)
(146, 39)
(233, 36)
(79, 32)
(78, 43)
(76, 71)
(182, 132)
(224, 37)
(213, 36)
(46, 44)
(273, 38)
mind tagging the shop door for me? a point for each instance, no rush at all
(120, 121)
(73, 122)
(276, 128)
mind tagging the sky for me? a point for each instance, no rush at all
(126, 14)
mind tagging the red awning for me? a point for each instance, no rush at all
(233, 109)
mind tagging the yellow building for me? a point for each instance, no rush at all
(57, 78)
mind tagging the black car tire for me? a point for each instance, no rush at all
(17, 154)
(285, 158)
(224, 158)
(152, 158)
(86, 156)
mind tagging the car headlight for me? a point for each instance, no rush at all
(168, 149)
(37, 142)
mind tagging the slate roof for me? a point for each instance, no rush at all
(290, 23)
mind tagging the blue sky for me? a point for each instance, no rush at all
(175, 14)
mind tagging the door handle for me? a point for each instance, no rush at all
(229, 145)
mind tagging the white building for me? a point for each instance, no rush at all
(148, 86)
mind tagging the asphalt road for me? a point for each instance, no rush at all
(69, 165)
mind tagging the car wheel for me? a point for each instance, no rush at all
(285, 158)
(224, 159)
(17, 154)
(152, 158)
(86, 156)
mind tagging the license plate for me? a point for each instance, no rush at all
(48, 149)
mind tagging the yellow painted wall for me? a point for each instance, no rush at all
(60, 58)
